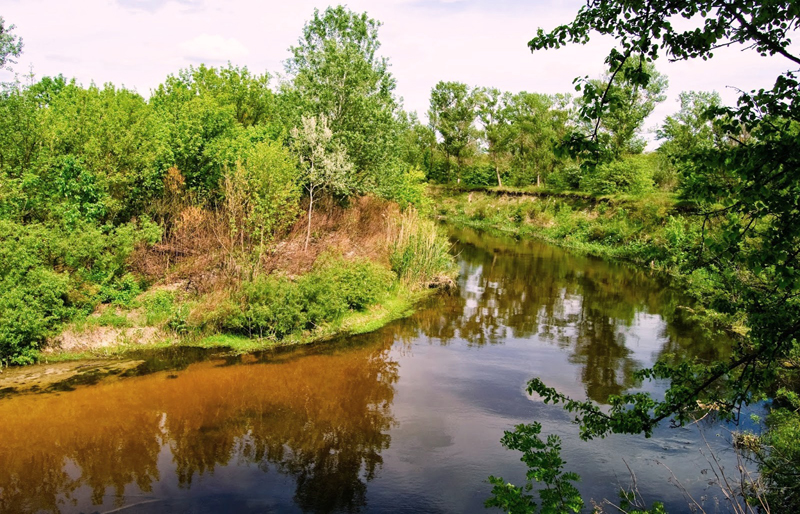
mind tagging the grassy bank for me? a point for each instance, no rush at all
(654, 230)
(368, 264)
(394, 305)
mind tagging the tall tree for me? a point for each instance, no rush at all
(629, 104)
(491, 104)
(452, 114)
(337, 73)
(535, 127)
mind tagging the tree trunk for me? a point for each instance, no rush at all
(310, 206)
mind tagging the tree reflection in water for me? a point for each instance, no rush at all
(322, 419)
(526, 289)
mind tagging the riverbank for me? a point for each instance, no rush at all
(654, 231)
(392, 306)
(368, 264)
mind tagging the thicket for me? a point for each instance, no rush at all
(103, 192)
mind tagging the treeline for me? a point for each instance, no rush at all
(479, 136)
(89, 176)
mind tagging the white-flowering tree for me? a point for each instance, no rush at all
(325, 166)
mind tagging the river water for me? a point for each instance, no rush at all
(405, 419)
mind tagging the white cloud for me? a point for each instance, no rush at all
(213, 48)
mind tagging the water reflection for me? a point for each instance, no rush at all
(321, 419)
(586, 306)
(309, 429)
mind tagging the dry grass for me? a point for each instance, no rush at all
(200, 252)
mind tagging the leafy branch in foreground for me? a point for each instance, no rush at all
(545, 466)
(747, 188)
(543, 458)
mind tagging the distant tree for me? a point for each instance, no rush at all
(535, 126)
(629, 104)
(452, 114)
(491, 103)
(324, 163)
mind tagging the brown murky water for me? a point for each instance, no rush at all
(407, 419)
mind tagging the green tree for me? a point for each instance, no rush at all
(629, 103)
(690, 132)
(536, 125)
(337, 73)
(748, 191)
(452, 114)
(491, 105)
(262, 192)
(324, 164)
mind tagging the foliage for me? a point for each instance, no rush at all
(261, 195)
(452, 114)
(337, 75)
(419, 254)
(633, 174)
(690, 132)
(10, 44)
(780, 455)
(406, 186)
(324, 164)
(545, 465)
(748, 190)
(50, 273)
(536, 123)
(628, 102)
(275, 306)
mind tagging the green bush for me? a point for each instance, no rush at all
(632, 175)
(567, 177)
(360, 283)
(270, 306)
(48, 274)
(406, 186)
(159, 306)
(275, 306)
(780, 459)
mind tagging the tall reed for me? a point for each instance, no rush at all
(420, 255)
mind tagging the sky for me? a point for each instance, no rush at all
(137, 43)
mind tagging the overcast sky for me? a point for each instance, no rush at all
(137, 43)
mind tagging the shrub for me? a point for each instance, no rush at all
(630, 175)
(275, 306)
(158, 306)
(270, 306)
(406, 186)
(567, 177)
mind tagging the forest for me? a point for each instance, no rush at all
(228, 207)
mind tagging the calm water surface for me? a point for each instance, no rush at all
(406, 419)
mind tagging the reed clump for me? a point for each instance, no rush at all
(419, 254)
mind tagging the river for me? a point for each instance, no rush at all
(405, 419)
